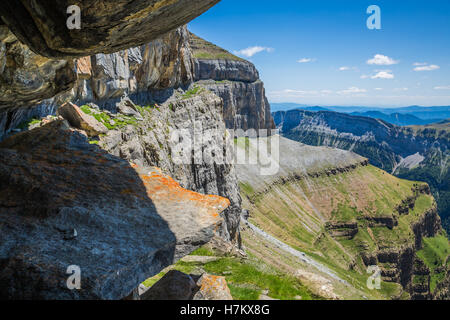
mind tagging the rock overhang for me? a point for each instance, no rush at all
(105, 26)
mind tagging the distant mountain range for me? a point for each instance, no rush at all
(399, 119)
(404, 116)
(419, 153)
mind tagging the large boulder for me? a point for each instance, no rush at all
(212, 287)
(176, 285)
(80, 120)
(68, 203)
(106, 26)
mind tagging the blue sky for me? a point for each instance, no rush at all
(322, 53)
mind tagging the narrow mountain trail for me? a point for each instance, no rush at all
(298, 254)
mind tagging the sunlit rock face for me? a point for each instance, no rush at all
(160, 64)
(236, 81)
(106, 26)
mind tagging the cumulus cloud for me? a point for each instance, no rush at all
(383, 74)
(430, 67)
(420, 64)
(382, 60)
(251, 51)
(442, 88)
(352, 90)
(306, 60)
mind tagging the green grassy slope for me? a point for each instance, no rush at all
(347, 220)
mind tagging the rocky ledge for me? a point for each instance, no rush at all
(65, 202)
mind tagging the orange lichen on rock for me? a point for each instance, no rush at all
(213, 288)
(162, 188)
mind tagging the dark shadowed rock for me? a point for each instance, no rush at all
(106, 26)
(65, 202)
(176, 285)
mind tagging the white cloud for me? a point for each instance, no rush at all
(383, 74)
(400, 89)
(382, 60)
(346, 68)
(442, 88)
(430, 67)
(420, 64)
(291, 93)
(306, 60)
(301, 92)
(364, 76)
(352, 90)
(251, 51)
(378, 89)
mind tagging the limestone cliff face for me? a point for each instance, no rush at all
(103, 78)
(420, 153)
(236, 81)
(153, 140)
(162, 64)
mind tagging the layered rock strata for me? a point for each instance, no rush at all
(236, 81)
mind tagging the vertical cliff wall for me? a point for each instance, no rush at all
(236, 81)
